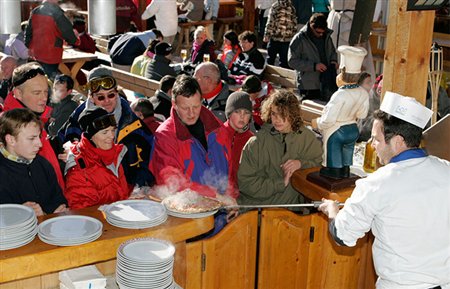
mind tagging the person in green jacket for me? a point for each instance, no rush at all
(281, 147)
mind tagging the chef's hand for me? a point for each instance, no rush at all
(329, 208)
(61, 208)
(289, 167)
(36, 207)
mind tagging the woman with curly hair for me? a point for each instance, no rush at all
(282, 146)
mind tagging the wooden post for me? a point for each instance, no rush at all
(407, 57)
(249, 15)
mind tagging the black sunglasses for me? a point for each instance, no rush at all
(28, 75)
(103, 97)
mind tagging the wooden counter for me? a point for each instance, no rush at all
(39, 258)
(316, 192)
(361, 255)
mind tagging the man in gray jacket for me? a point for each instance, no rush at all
(313, 55)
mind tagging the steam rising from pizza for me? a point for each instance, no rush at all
(190, 202)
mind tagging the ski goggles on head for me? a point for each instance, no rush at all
(32, 73)
(106, 83)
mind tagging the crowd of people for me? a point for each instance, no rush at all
(214, 125)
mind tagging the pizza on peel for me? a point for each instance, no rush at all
(190, 202)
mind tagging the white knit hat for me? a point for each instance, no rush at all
(351, 58)
(406, 108)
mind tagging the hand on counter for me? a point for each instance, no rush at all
(36, 207)
(289, 167)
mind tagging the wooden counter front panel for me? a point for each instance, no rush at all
(297, 252)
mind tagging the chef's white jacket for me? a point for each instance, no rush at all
(407, 206)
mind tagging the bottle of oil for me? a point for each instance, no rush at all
(370, 158)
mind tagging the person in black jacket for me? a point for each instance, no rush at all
(124, 48)
(25, 177)
(159, 66)
(162, 100)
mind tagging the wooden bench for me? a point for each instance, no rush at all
(183, 36)
(134, 82)
(310, 110)
(281, 77)
(101, 44)
(224, 26)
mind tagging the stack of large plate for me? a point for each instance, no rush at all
(136, 214)
(145, 263)
(70, 230)
(18, 226)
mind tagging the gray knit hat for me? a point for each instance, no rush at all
(99, 72)
(238, 100)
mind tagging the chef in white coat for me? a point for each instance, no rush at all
(406, 203)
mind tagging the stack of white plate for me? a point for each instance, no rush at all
(136, 214)
(70, 230)
(18, 226)
(145, 263)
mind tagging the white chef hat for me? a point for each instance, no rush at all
(406, 108)
(351, 58)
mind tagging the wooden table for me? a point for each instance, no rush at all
(31, 266)
(78, 58)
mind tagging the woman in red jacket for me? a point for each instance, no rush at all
(94, 175)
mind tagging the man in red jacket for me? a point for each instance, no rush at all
(30, 90)
(47, 29)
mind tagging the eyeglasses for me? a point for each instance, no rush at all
(104, 82)
(110, 95)
(104, 122)
(28, 75)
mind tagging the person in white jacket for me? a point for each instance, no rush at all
(165, 12)
(405, 203)
(338, 121)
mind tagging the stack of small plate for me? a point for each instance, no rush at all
(145, 263)
(18, 226)
(70, 230)
(136, 214)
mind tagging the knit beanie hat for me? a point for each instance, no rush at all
(238, 100)
(163, 49)
(99, 72)
(93, 121)
(251, 84)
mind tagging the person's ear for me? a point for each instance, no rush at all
(17, 93)
(10, 140)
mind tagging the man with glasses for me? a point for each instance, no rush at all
(131, 131)
(215, 92)
(30, 90)
(313, 55)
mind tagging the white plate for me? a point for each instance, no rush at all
(13, 216)
(135, 210)
(147, 250)
(64, 228)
